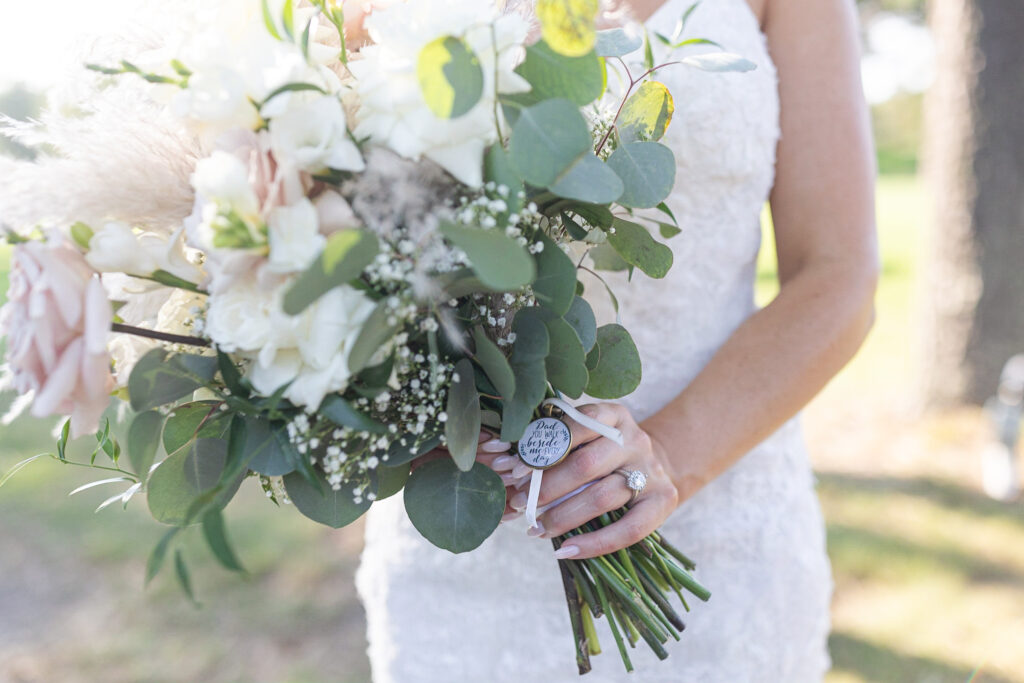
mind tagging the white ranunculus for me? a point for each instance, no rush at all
(294, 235)
(117, 248)
(309, 351)
(314, 136)
(392, 109)
(224, 179)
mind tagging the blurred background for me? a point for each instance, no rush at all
(913, 443)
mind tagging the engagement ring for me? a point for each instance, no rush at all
(635, 480)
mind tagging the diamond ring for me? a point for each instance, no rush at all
(635, 480)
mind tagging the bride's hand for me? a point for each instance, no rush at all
(596, 459)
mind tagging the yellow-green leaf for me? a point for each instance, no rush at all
(646, 113)
(450, 77)
(568, 25)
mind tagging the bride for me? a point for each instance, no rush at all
(712, 424)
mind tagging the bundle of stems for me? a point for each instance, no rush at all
(630, 587)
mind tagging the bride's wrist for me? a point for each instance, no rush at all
(678, 468)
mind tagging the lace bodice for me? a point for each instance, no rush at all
(498, 614)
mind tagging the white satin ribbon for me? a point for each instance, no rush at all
(533, 497)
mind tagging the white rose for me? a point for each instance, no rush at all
(294, 235)
(392, 109)
(241, 317)
(114, 248)
(218, 98)
(313, 135)
(223, 178)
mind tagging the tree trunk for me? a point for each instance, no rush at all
(973, 160)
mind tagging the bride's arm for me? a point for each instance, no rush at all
(823, 209)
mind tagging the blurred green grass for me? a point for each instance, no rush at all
(929, 574)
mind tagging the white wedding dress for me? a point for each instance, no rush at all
(498, 613)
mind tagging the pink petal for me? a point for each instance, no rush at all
(58, 387)
(98, 317)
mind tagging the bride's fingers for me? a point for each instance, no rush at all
(593, 461)
(610, 493)
(609, 414)
(642, 519)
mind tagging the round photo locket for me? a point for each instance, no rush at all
(545, 443)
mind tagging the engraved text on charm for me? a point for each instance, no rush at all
(545, 442)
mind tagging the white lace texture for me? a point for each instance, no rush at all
(498, 613)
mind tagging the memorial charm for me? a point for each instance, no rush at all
(545, 443)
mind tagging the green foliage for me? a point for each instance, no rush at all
(454, 509)
(581, 318)
(615, 42)
(391, 480)
(462, 428)
(325, 505)
(527, 362)
(343, 259)
(189, 421)
(377, 330)
(498, 168)
(340, 412)
(161, 377)
(180, 480)
(637, 248)
(647, 169)
(547, 139)
(555, 285)
(589, 180)
(450, 77)
(566, 361)
(494, 363)
(613, 363)
(267, 448)
(646, 114)
(216, 537)
(550, 74)
(498, 260)
(143, 441)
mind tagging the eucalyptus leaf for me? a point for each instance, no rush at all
(400, 455)
(159, 554)
(667, 230)
(462, 428)
(454, 509)
(596, 215)
(327, 506)
(498, 168)
(343, 259)
(391, 480)
(589, 180)
(494, 363)
(581, 318)
(646, 114)
(647, 169)
(527, 363)
(180, 479)
(556, 277)
(340, 412)
(266, 456)
(616, 42)
(143, 441)
(605, 257)
(216, 537)
(161, 377)
(450, 76)
(566, 362)
(550, 74)
(636, 247)
(189, 421)
(568, 25)
(547, 139)
(719, 61)
(376, 332)
(498, 260)
(614, 364)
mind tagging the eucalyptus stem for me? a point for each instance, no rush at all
(606, 608)
(572, 599)
(161, 336)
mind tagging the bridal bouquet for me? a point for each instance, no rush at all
(325, 264)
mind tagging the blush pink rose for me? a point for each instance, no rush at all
(57, 320)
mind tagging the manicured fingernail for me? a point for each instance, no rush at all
(520, 470)
(508, 480)
(512, 515)
(485, 436)
(504, 463)
(518, 502)
(495, 446)
(521, 481)
(566, 551)
(536, 530)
